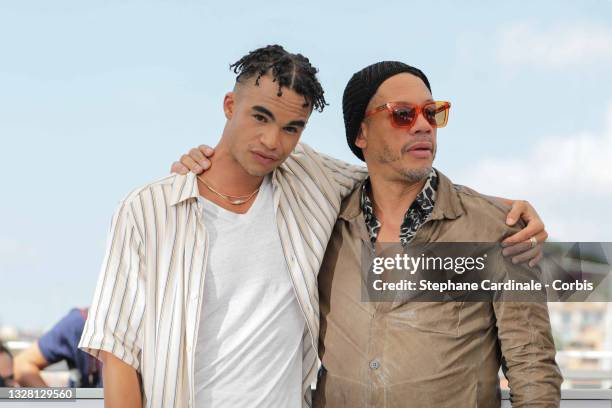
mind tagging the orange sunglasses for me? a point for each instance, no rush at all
(404, 114)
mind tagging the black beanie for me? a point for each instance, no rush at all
(361, 88)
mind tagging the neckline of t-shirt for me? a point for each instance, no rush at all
(230, 215)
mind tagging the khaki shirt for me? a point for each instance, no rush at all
(434, 354)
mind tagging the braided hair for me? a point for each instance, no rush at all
(292, 71)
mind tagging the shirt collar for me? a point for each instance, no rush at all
(416, 214)
(184, 187)
(447, 205)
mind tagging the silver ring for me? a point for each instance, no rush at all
(533, 241)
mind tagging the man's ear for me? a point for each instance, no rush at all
(229, 104)
(362, 137)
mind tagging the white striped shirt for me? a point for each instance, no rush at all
(148, 297)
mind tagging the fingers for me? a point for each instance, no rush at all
(541, 236)
(523, 252)
(518, 208)
(533, 228)
(519, 246)
(527, 255)
(189, 163)
(195, 161)
(516, 248)
(178, 168)
(535, 260)
(201, 161)
(206, 150)
(195, 165)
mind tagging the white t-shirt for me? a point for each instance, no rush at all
(249, 348)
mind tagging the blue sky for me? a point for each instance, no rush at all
(97, 98)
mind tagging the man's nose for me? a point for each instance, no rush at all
(270, 139)
(421, 125)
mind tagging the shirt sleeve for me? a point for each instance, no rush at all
(114, 322)
(59, 343)
(346, 176)
(527, 346)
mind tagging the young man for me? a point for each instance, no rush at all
(208, 295)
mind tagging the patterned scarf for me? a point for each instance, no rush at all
(418, 213)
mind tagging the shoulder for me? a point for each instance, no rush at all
(75, 318)
(145, 191)
(71, 322)
(478, 201)
(140, 208)
(302, 152)
(486, 210)
(156, 196)
(304, 163)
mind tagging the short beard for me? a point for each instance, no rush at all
(413, 176)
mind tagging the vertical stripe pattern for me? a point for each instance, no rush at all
(147, 300)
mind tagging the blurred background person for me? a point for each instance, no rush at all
(60, 344)
(6, 367)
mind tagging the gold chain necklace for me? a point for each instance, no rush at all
(234, 200)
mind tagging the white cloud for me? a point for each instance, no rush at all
(568, 178)
(563, 45)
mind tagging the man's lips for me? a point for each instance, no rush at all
(420, 146)
(264, 158)
(420, 150)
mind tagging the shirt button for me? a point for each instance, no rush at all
(374, 364)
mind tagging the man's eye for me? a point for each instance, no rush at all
(259, 118)
(291, 129)
(430, 112)
(404, 114)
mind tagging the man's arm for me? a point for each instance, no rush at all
(28, 365)
(57, 344)
(347, 176)
(518, 245)
(121, 383)
(528, 353)
(527, 345)
(114, 322)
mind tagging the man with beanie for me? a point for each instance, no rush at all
(418, 354)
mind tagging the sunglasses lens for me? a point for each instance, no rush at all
(403, 116)
(436, 113)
